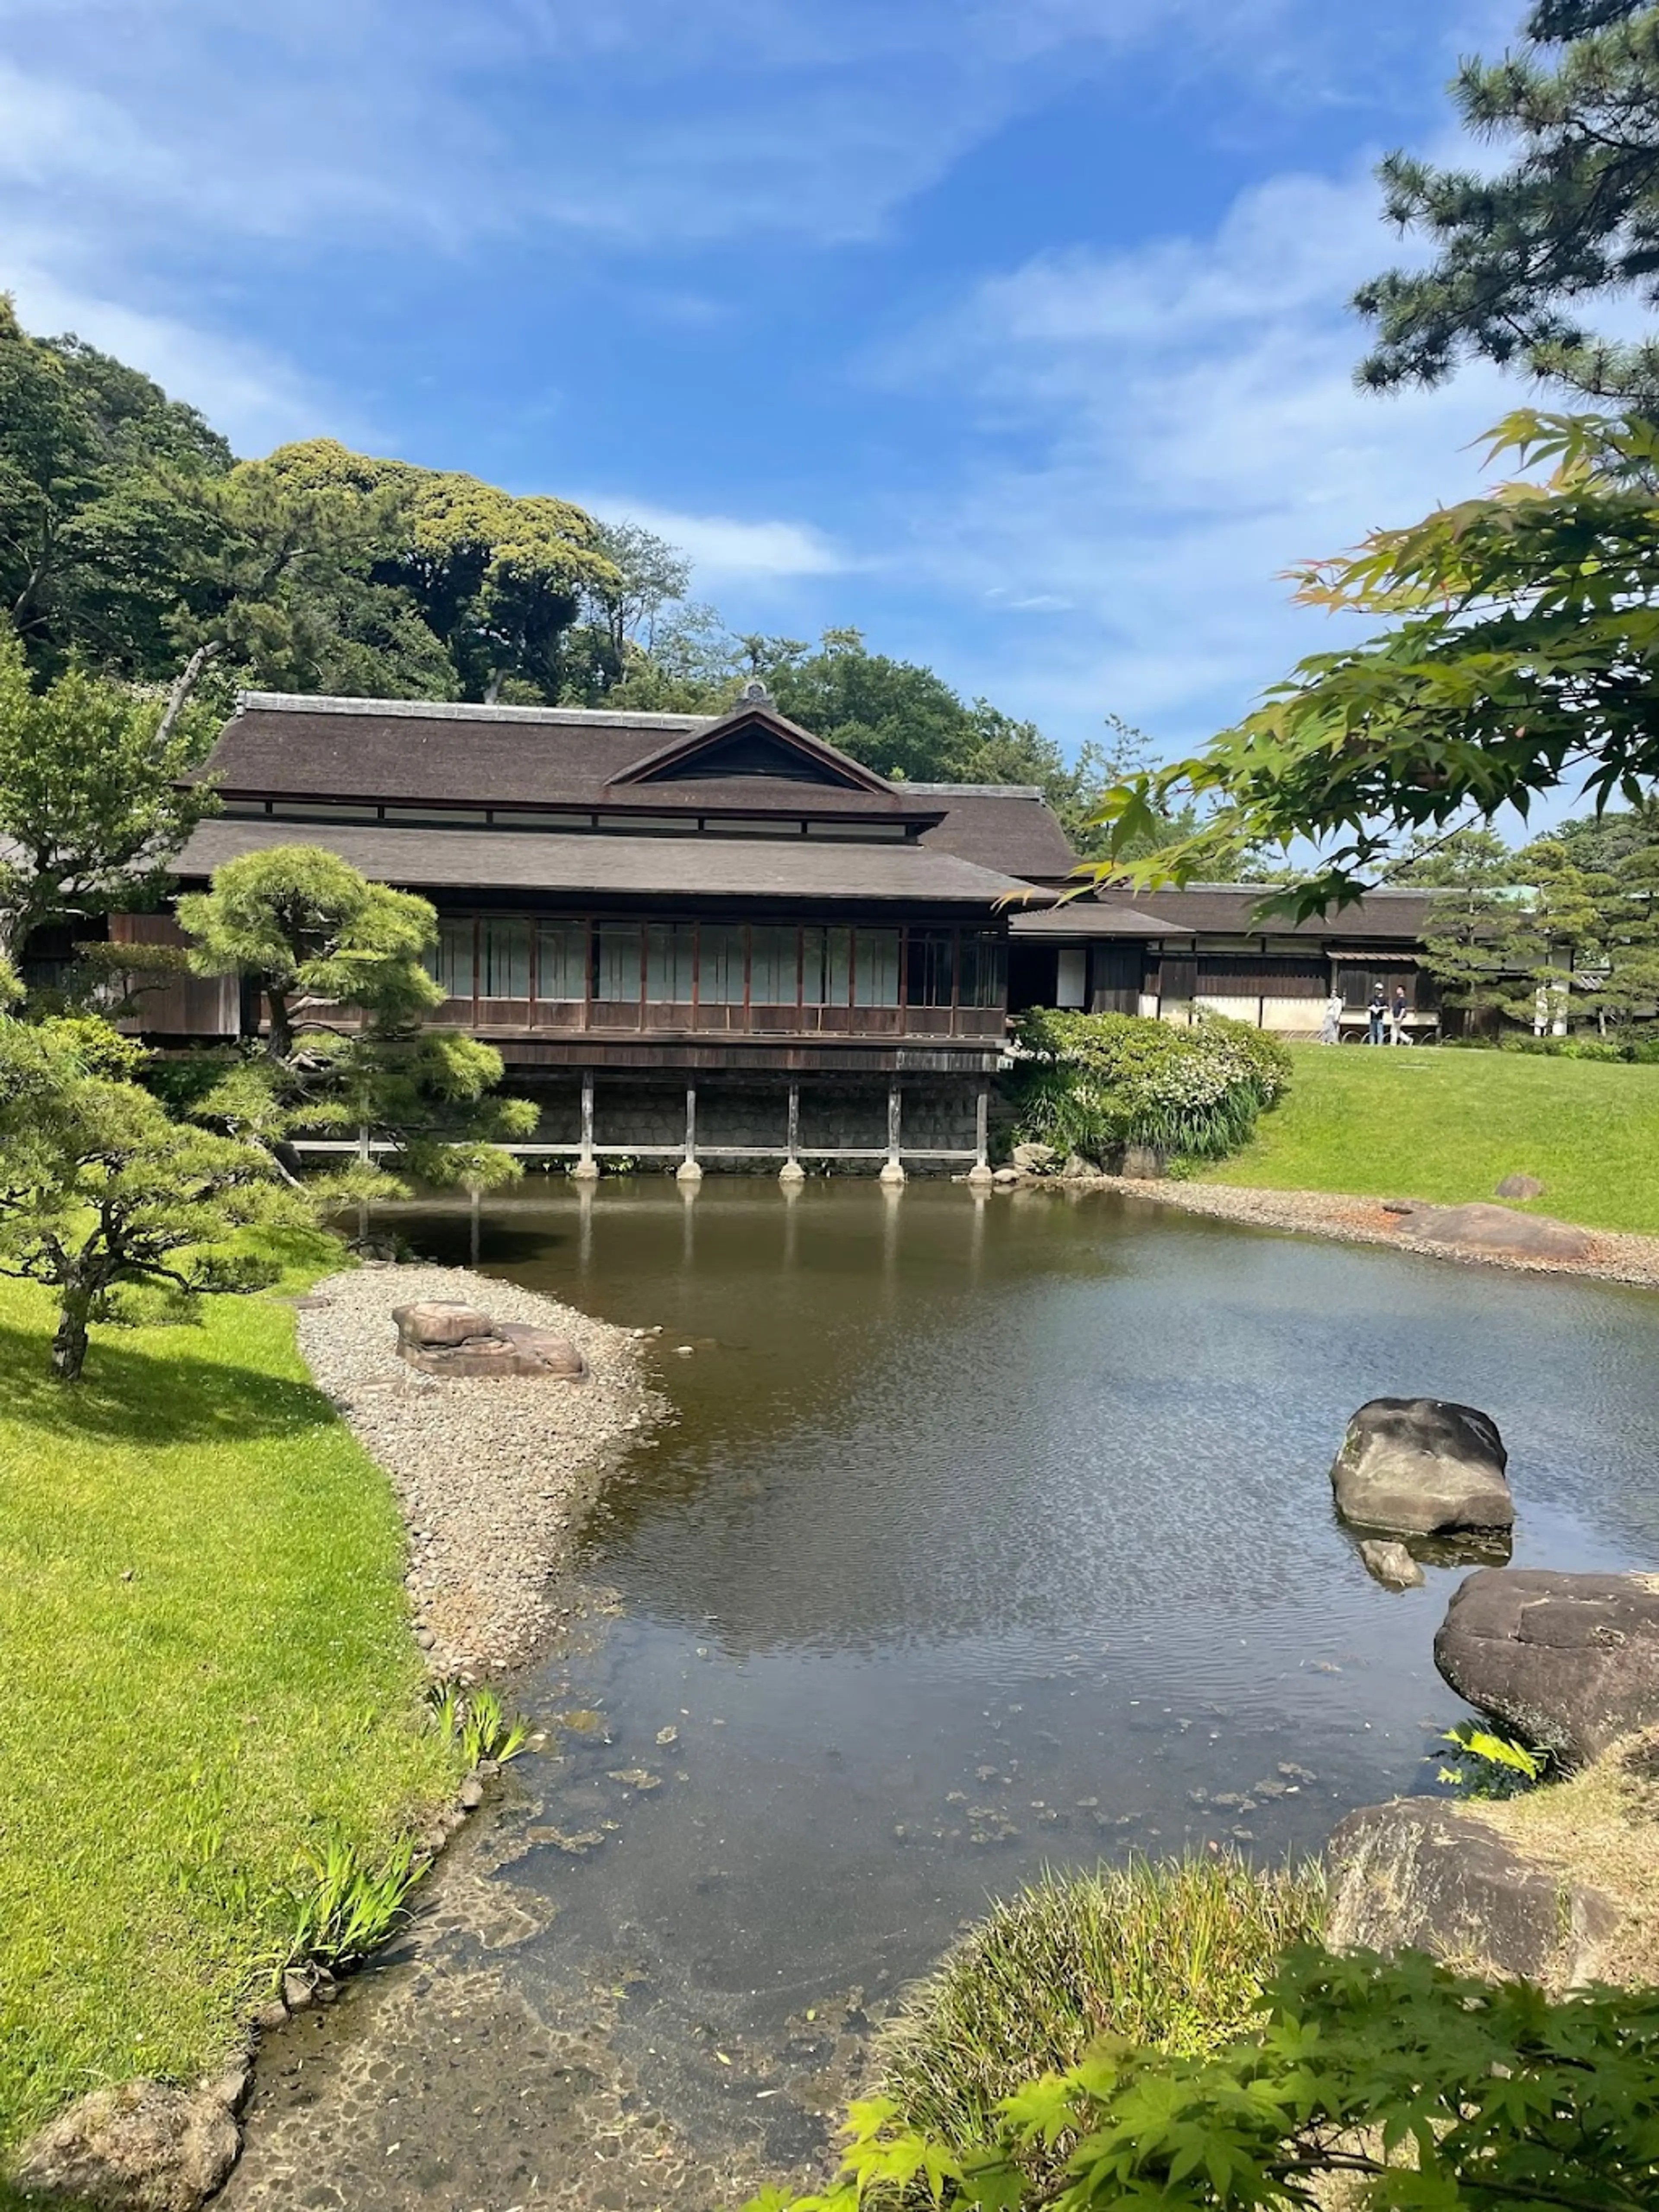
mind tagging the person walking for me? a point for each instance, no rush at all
(1377, 1014)
(1330, 1030)
(1398, 1011)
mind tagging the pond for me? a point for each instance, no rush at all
(991, 1535)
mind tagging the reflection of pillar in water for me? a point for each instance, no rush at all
(584, 1226)
(892, 1205)
(791, 1226)
(688, 1215)
(980, 1198)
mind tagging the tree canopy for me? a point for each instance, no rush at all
(104, 1196)
(1523, 257)
(91, 805)
(1523, 650)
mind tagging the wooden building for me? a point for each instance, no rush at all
(686, 936)
(693, 936)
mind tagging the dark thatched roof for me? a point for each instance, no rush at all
(797, 871)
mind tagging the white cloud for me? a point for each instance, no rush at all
(643, 120)
(255, 398)
(1196, 431)
(722, 547)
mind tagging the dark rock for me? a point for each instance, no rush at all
(1400, 1206)
(1391, 1564)
(1422, 1874)
(1143, 1163)
(139, 2146)
(439, 1321)
(1570, 1661)
(1519, 1186)
(439, 1338)
(1497, 1228)
(1416, 1465)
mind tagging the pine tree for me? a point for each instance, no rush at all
(1521, 255)
(339, 964)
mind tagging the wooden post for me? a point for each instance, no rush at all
(688, 1170)
(893, 1172)
(791, 1171)
(587, 1168)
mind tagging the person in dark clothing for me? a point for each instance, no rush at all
(1398, 1011)
(1377, 1014)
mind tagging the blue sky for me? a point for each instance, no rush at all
(1010, 331)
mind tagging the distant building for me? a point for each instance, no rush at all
(1174, 953)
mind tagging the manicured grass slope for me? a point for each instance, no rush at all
(1425, 1123)
(204, 1660)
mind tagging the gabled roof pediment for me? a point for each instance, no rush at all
(754, 740)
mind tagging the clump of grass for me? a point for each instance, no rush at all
(474, 1720)
(1173, 1955)
(346, 1907)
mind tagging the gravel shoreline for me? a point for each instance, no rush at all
(1616, 1256)
(492, 1475)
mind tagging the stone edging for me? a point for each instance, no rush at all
(1617, 1255)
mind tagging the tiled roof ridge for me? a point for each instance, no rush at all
(465, 710)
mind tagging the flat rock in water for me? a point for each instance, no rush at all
(1391, 1564)
(1570, 1661)
(1422, 1874)
(1519, 1186)
(139, 2146)
(1498, 1229)
(1419, 1465)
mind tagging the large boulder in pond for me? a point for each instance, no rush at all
(1570, 1661)
(1415, 1465)
(1423, 1875)
(136, 2146)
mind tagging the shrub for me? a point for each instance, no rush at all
(1091, 1083)
(1389, 2083)
(1173, 1956)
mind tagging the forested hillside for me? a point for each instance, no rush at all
(131, 538)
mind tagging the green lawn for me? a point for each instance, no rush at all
(1419, 1122)
(205, 1659)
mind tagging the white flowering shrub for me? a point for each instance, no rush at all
(1093, 1083)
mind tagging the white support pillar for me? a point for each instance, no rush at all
(587, 1169)
(980, 1174)
(892, 1172)
(689, 1171)
(792, 1172)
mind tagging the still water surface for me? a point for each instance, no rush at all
(993, 1535)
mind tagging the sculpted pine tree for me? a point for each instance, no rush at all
(101, 1193)
(339, 964)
